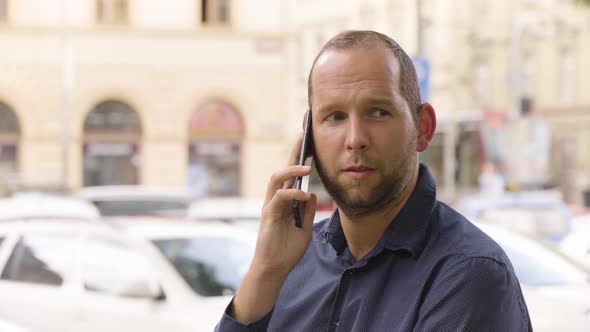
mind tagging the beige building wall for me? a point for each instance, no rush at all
(164, 64)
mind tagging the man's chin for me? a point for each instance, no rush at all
(356, 200)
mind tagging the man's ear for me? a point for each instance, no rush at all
(426, 126)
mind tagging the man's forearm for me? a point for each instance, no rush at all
(256, 296)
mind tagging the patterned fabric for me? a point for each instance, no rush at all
(432, 270)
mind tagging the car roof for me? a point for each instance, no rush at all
(133, 192)
(160, 228)
(145, 228)
(37, 205)
(472, 206)
(226, 208)
(56, 225)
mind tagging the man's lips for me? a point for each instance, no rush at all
(359, 168)
(358, 172)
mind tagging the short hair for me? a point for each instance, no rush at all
(353, 39)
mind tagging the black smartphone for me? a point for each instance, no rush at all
(305, 149)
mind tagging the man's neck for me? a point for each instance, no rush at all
(363, 233)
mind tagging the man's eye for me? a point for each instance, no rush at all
(335, 117)
(379, 113)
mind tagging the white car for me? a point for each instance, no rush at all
(238, 211)
(120, 276)
(138, 200)
(556, 290)
(577, 243)
(6, 326)
(37, 205)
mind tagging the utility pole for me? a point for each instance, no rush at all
(67, 77)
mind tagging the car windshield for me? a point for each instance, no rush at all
(535, 263)
(142, 208)
(212, 266)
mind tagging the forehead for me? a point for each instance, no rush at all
(374, 70)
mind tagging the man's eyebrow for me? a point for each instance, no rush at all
(325, 108)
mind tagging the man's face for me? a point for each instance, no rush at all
(364, 134)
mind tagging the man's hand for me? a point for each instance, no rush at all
(280, 243)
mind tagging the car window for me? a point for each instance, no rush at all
(111, 267)
(41, 259)
(142, 208)
(212, 266)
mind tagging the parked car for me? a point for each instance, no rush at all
(577, 243)
(6, 326)
(556, 289)
(120, 275)
(37, 205)
(137, 200)
(538, 214)
(237, 211)
(226, 209)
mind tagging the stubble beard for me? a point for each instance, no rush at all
(387, 192)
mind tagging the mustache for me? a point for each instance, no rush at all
(359, 160)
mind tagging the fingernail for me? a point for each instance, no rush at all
(306, 168)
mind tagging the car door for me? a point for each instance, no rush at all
(121, 290)
(36, 282)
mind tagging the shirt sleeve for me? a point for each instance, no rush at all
(229, 324)
(475, 294)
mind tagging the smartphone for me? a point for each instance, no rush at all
(305, 149)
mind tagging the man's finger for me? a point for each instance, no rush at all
(278, 179)
(309, 211)
(295, 151)
(289, 195)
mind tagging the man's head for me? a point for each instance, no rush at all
(367, 39)
(368, 123)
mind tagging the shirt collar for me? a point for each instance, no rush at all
(407, 231)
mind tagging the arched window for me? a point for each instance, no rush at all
(112, 133)
(215, 132)
(112, 12)
(9, 138)
(215, 12)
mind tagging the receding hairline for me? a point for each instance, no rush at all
(351, 40)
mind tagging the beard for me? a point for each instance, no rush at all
(388, 189)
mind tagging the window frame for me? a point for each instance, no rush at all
(13, 243)
(104, 239)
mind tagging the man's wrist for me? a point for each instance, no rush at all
(257, 295)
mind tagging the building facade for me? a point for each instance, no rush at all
(210, 93)
(175, 93)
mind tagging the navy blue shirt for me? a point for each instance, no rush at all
(432, 270)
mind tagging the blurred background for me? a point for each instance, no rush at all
(181, 109)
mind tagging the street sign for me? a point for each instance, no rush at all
(422, 66)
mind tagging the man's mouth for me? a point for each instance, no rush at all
(358, 172)
(358, 168)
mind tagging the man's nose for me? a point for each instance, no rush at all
(356, 136)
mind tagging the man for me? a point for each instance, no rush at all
(391, 258)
